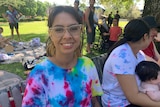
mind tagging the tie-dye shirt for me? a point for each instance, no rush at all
(49, 85)
(120, 61)
(12, 16)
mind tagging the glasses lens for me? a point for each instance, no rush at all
(58, 29)
(74, 29)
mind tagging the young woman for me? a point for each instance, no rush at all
(120, 83)
(65, 78)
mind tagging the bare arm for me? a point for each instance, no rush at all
(148, 58)
(95, 102)
(154, 95)
(152, 90)
(129, 86)
(5, 16)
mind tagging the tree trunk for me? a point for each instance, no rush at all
(151, 7)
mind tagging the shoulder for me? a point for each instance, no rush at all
(122, 51)
(41, 67)
(86, 61)
(119, 27)
(141, 55)
(7, 12)
(85, 58)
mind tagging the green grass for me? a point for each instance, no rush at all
(29, 30)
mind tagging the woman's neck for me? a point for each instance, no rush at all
(134, 47)
(65, 61)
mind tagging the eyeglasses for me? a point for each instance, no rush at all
(74, 30)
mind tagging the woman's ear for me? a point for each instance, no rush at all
(145, 36)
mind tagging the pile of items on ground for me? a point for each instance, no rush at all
(28, 53)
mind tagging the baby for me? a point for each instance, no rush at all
(149, 74)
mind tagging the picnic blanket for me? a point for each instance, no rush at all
(21, 51)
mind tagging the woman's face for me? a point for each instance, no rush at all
(148, 40)
(115, 22)
(65, 34)
(10, 8)
(91, 2)
(153, 33)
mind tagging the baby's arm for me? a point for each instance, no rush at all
(151, 90)
(154, 95)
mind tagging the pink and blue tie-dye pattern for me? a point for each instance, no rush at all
(52, 86)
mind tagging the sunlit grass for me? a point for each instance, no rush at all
(28, 30)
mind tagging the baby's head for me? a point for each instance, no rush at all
(1, 30)
(148, 71)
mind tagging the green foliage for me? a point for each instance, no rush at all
(14, 3)
(26, 7)
(126, 8)
(30, 8)
(3, 20)
(41, 9)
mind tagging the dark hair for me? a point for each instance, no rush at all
(151, 21)
(133, 32)
(147, 70)
(58, 9)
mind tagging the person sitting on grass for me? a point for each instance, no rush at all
(3, 41)
(149, 74)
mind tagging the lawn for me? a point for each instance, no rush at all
(29, 30)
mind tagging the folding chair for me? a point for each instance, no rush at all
(4, 99)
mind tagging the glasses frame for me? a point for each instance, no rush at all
(68, 28)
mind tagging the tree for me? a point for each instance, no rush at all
(14, 3)
(41, 9)
(117, 4)
(151, 7)
(126, 8)
(30, 8)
